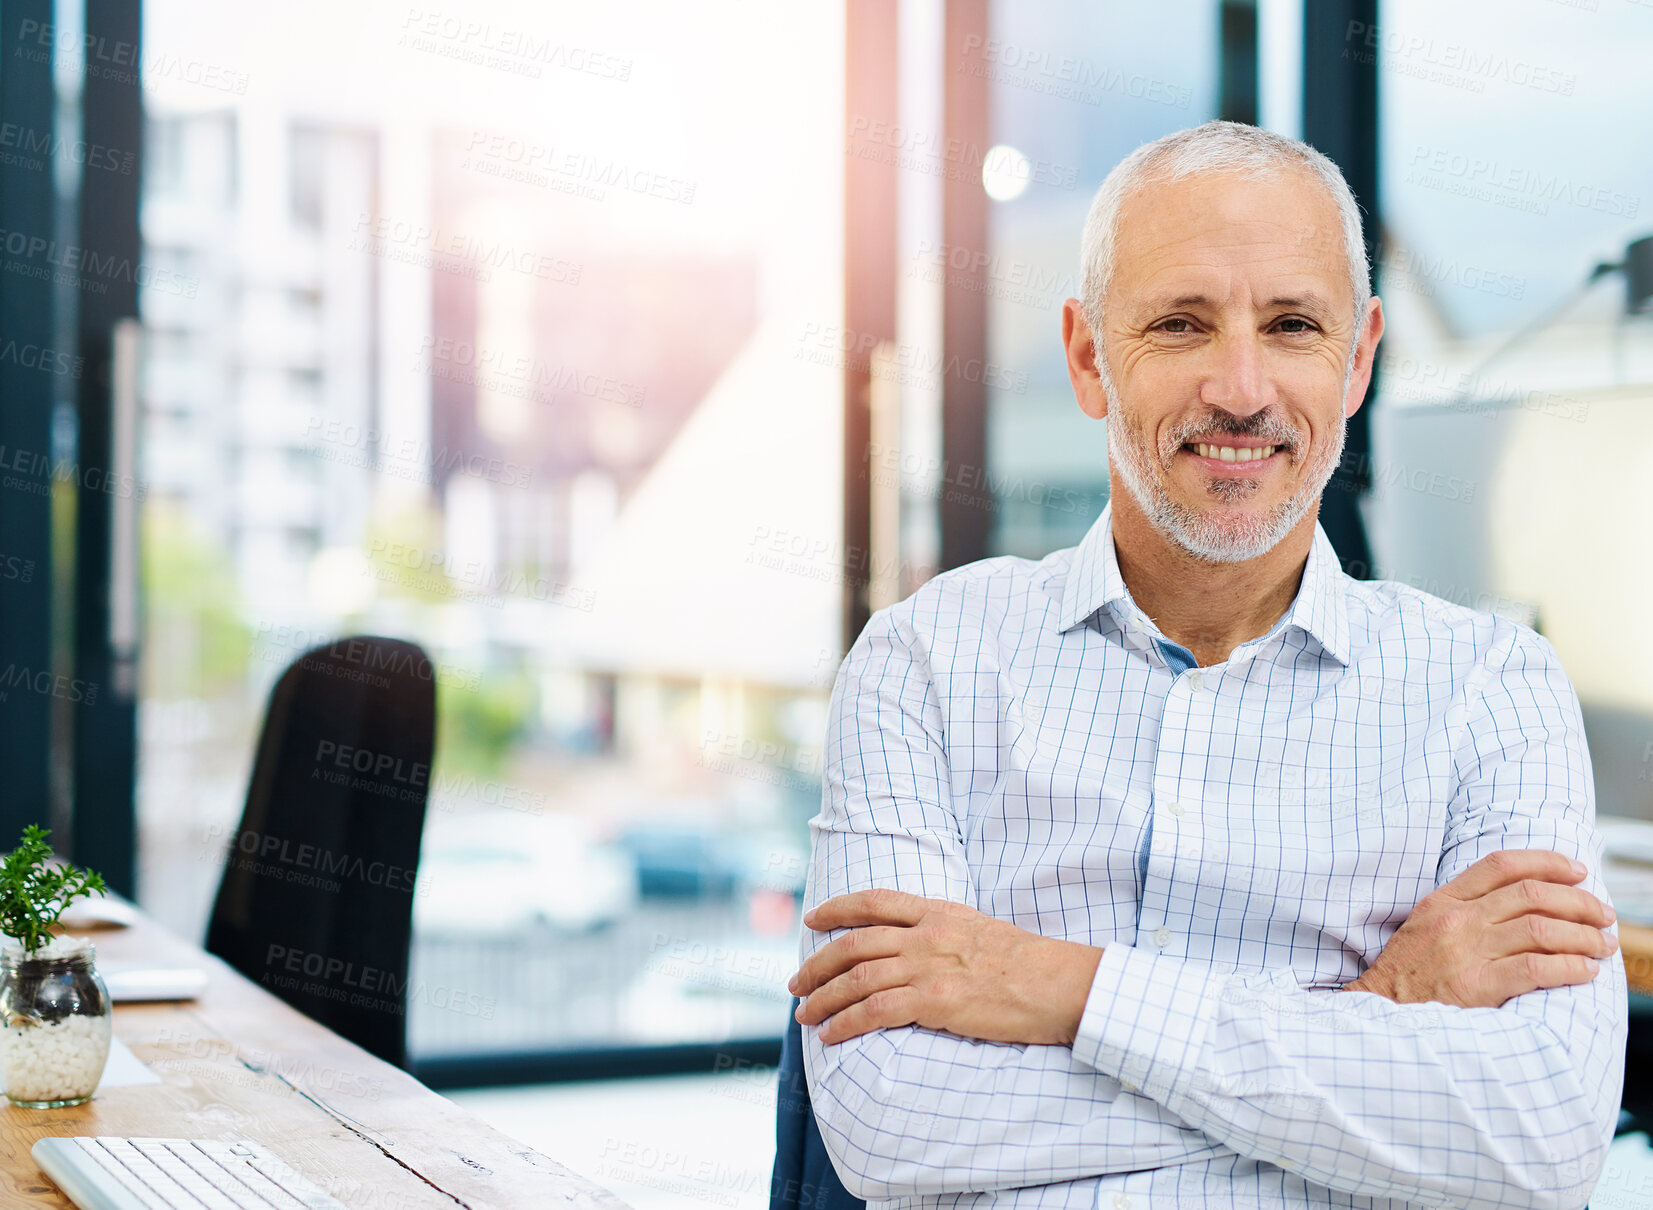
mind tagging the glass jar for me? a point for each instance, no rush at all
(55, 1025)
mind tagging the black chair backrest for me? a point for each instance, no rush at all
(803, 1178)
(316, 903)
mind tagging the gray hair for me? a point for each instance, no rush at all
(1214, 147)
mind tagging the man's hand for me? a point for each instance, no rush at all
(942, 965)
(1511, 923)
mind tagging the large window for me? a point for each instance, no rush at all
(522, 332)
(1070, 88)
(1512, 374)
(1075, 90)
(509, 330)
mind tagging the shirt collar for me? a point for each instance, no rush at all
(1093, 574)
(1319, 609)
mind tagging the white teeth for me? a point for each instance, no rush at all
(1233, 453)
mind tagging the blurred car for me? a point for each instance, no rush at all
(711, 990)
(678, 859)
(503, 873)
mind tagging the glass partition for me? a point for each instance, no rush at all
(1516, 355)
(508, 330)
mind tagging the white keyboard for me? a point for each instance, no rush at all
(175, 1174)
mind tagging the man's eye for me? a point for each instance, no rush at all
(1293, 325)
(1176, 327)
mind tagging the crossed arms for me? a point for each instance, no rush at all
(951, 1052)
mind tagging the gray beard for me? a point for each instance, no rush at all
(1233, 540)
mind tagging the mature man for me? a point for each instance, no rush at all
(1206, 875)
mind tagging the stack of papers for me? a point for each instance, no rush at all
(1628, 869)
(130, 981)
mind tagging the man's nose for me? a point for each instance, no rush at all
(1237, 380)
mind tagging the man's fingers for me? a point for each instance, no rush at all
(1512, 865)
(1532, 895)
(888, 1009)
(851, 987)
(1522, 973)
(1546, 935)
(880, 905)
(841, 954)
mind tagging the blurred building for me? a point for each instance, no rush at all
(260, 336)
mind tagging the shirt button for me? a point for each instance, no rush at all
(1283, 1162)
(1129, 1087)
(1176, 809)
(1162, 937)
(1121, 1201)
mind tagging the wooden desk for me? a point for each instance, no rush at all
(239, 1063)
(1636, 944)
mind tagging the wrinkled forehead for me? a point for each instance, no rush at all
(1217, 233)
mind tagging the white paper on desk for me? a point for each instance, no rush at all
(95, 913)
(1630, 886)
(123, 1068)
(141, 981)
(131, 980)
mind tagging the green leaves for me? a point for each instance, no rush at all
(33, 892)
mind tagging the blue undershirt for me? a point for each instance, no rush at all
(1181, 660)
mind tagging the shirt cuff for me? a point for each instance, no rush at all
(1146, 1017)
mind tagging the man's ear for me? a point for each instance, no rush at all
(1365, 357)
(1080, 345)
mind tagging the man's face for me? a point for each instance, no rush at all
(1227, 327)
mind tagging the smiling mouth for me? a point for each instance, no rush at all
(1239, 455)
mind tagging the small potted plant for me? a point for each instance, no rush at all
(54, 1008)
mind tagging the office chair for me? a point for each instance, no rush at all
(316, 903)
(804, 1178)
(1636, 1105)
